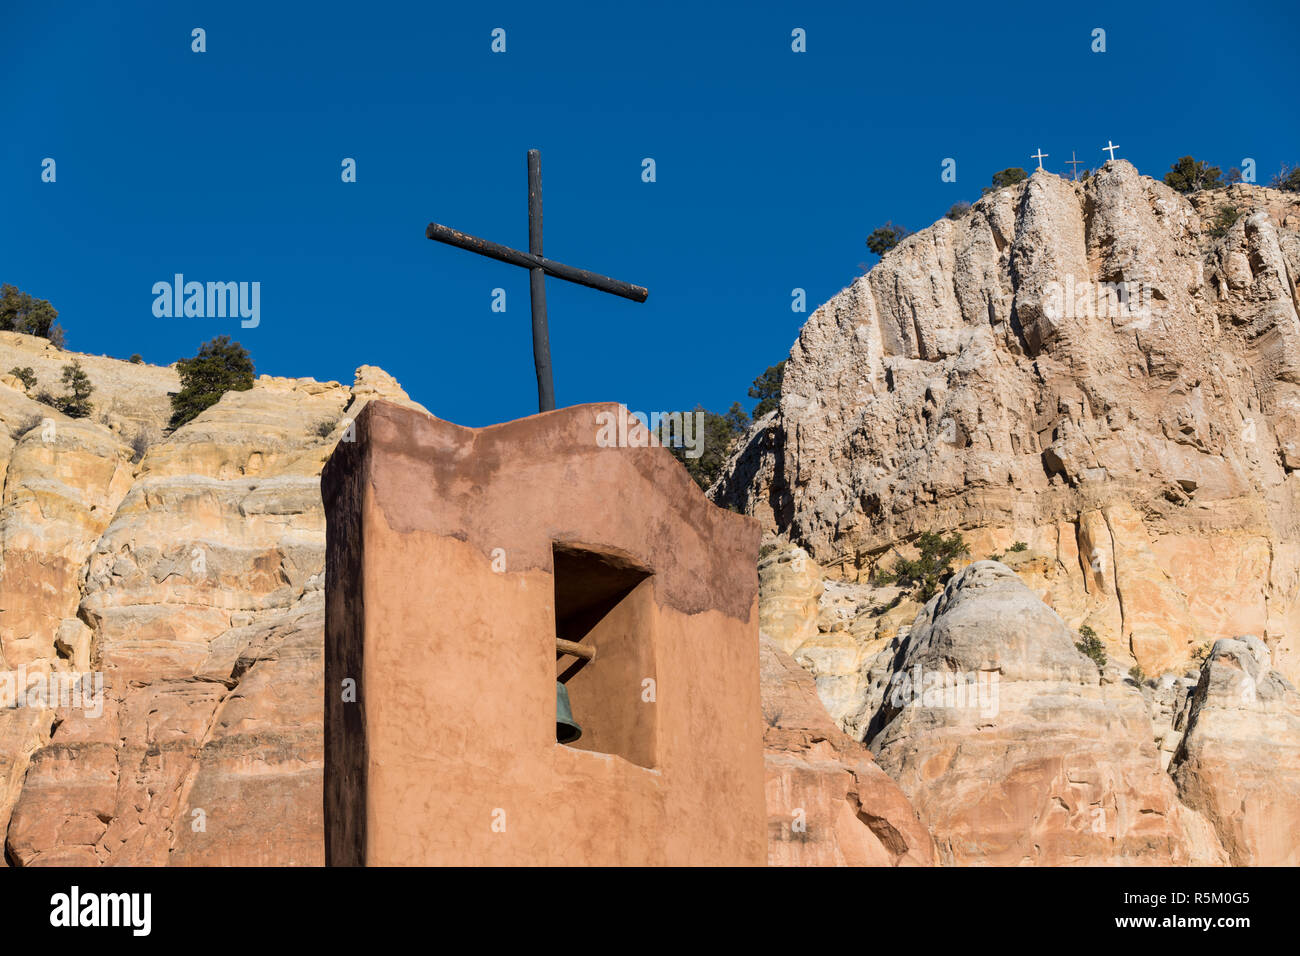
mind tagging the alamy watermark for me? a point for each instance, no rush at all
(918, 687)
(79, 691)
(1127, 302)
(625, 429)
(211, 300)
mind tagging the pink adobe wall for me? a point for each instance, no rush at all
(448, 754)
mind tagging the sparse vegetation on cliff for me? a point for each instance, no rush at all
(1005, 177)
(1091, 646)
(767, 389)
(220, 366)
(1287, 180)
(20, 312)
(885, 237)
(932, 567)
(1223, 221)
(75, 402)
(1188, 175)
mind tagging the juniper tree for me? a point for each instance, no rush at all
(885, 238)
(220, 366)
(1189, 175)
(767, 389)
(1005, 177)
(20, 312)
(932, 567)
(76, 401)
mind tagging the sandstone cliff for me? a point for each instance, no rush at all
(1080, 366)
(1086, 371)
(188, 570)
(828, 803)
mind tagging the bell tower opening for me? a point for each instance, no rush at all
(605, 661)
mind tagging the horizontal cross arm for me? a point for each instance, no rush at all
(527, 260)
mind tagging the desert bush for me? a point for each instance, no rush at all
(1005, 177)
(1091, 646)
(1189, 175)
(1223, 221)
(932, 567)
(885, 237)
(75, 403)
(1288, 179)
(20, 312)
(220, 366)
(767, 389)
(24, 375)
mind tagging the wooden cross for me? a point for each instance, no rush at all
(1040, 156)
(1110, 146)
(539, 268)
(1074, 165)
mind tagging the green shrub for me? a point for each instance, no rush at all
(1189, 175)
(24, 375)
(886, 237)
(1019, 546)
(1006, 177)
(932, 567)
(767, 389)
(76, 401)
(20, 312)
(220, 366)
(1138, 675)
(1091, 646)
(959, 210)
(136, 359)
(1223, 221)
(1288, 179)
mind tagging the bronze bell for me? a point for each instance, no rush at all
(566, 728)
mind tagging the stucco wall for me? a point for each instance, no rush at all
(448, 755)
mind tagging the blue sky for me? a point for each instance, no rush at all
(771, 167)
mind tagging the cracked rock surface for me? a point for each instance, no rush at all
(187, 569)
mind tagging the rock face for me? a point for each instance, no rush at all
(1009, 743)
(1239, 763)
(1079, 366)
(828, 804)
(186, 570)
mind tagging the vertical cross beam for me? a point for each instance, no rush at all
(537, 287)
(538, 268)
